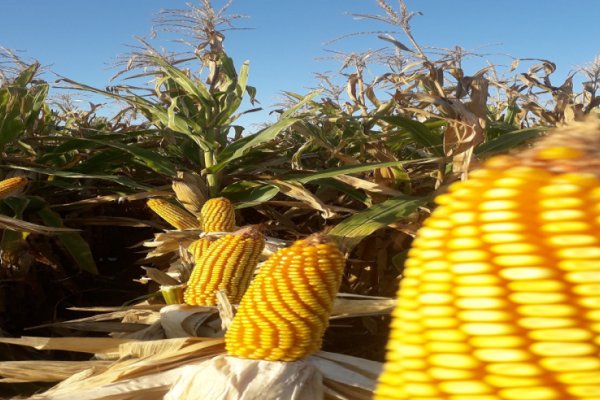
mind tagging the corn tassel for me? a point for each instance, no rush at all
(217, 215)
(174, 215)
(228, 264)
(12, 186)
(285, 312)
(500, 298)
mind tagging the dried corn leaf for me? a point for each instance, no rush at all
(299, 192)
(368, 186)
(152, 332)
(14, 224)
(366, 371)
(152, 386)
(138, 378)
(367, 368)
(140, 306)
(346, 308)
(46, 371)
(179, 320)
(115, 197)
(79, 344)
(187, 363)
(128, 315)
(191, 349)
(152, 347)
(115, 221)
(96, 326)
(160, 277)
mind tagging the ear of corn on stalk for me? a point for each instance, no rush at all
(174, 215)
(228, 264)
(284, 313)
(12, 186)
(501, 293)
(217, 215)
(190, 190)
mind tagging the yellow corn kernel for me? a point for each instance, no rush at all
(11, 186)
(199, 246)
(174, 215)
(217, 215)
(286, 309)
(227, 264)
(519, 295)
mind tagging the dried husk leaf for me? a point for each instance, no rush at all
(137, 378)
(347, 370)
(148, 387)
(347, 308)
(78, 344)
(187, 363)
(152, 332)
(299, 192)
(160, 277)
(181, 320)
(46, 371)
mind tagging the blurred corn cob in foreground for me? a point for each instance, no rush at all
(501, 294)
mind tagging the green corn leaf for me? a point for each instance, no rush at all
(508, 141)
(352, 230)
(197, 90)
(73, 243)
(121, 180)
(344, 188)
(149, 158)
(240, 147)
(249, 193)
(420, 132)
(350, 169)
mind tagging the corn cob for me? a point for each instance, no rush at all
(286, 309)
(217, 215)
(11, 186)
(174, 215)
(190, 191)
(199, 246)
(501, 293)
(228, 264)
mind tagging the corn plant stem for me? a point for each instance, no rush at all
(211, 178)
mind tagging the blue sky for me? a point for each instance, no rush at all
(79, 39)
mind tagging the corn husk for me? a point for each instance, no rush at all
(230, 378)
(190, 190)
(152, 369)
(46, 371)
(181, 320)
(147, 366)
(323, 375)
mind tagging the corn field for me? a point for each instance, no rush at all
(429, 233)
